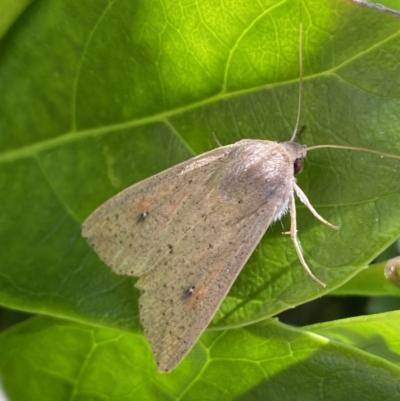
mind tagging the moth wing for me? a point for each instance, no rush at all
(133, 230)
(180, 295)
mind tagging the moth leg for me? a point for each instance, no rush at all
(296, 243)
(302, 196)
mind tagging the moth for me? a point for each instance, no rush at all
(187, 232)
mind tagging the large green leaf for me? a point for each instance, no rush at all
(99, 95)
(116, 92)
(46, 359)
(374, 334)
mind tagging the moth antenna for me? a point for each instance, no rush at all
(295, 133)
(366, 150)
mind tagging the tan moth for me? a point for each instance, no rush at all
(188, 231)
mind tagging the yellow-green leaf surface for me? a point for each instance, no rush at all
(374, 334)
(96, 96)
(47, 359)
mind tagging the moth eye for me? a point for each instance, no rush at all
(298, 165)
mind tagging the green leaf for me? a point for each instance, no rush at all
(370, 282)
(97, 96)
(375, 334)
(60, 360)
(100, 117)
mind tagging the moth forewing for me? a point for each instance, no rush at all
(112, 228)
(187, 232)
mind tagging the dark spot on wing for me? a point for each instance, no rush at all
(171, 248)
(142, 217)
(188, 292)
